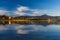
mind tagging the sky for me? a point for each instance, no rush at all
(30, 7)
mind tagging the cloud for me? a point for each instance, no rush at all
(3, 12)
(20, 10)
(23, 10)
(26, 11)
(19, 13)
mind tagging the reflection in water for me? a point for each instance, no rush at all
(44, 23)
(34, 32)
(43, 31)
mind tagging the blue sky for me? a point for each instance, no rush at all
(35, 7)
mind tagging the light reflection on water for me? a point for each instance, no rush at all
(29, 32)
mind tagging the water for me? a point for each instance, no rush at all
(30, 32)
